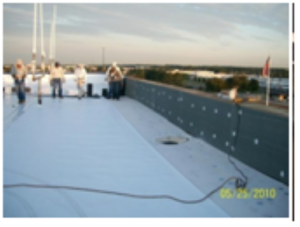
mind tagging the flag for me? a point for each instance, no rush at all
(265, 71)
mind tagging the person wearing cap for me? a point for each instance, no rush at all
(19, 73)
(114, 77)
(56, 79)
(80, 76)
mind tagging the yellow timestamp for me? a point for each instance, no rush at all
(245, 193)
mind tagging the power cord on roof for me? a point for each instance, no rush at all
(43, 186)
(240, 183)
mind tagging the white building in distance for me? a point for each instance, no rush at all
(202, 74)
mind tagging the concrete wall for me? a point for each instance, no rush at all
(259, 139)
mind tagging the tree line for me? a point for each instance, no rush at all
(275, 72)
(159, 75)
(211, 85)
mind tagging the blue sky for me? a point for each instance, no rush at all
(172, 33)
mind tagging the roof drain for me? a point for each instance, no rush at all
(172, 140)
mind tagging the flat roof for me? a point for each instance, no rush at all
(88, 144)
(112, 145)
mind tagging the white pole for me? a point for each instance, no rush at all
(42, 56)
(53, 44)
(34, 29)
(42, 29)
(268, 83)
(34, 42)
(42, 37)
(268, 91)
(50, 47)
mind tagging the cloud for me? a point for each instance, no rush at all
(99, 21)
(267, 16)
(211, 25)
(16, 11)
(157, 22)
(263, 38)
(211, 21)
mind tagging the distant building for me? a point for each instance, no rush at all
(142, 67)
(202, 74)
(93, 69)
(126, 70)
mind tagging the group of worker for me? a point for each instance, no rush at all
(57, 78)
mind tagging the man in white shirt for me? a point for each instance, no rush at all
(80, 76)
(114, 77)
(56, 79)
(19, 73)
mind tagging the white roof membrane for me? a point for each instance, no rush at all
(88, 144)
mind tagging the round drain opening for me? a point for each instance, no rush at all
(172, 140)
(168, 142)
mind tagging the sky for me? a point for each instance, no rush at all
(171, 33)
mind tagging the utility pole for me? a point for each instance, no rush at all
(103, 56)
